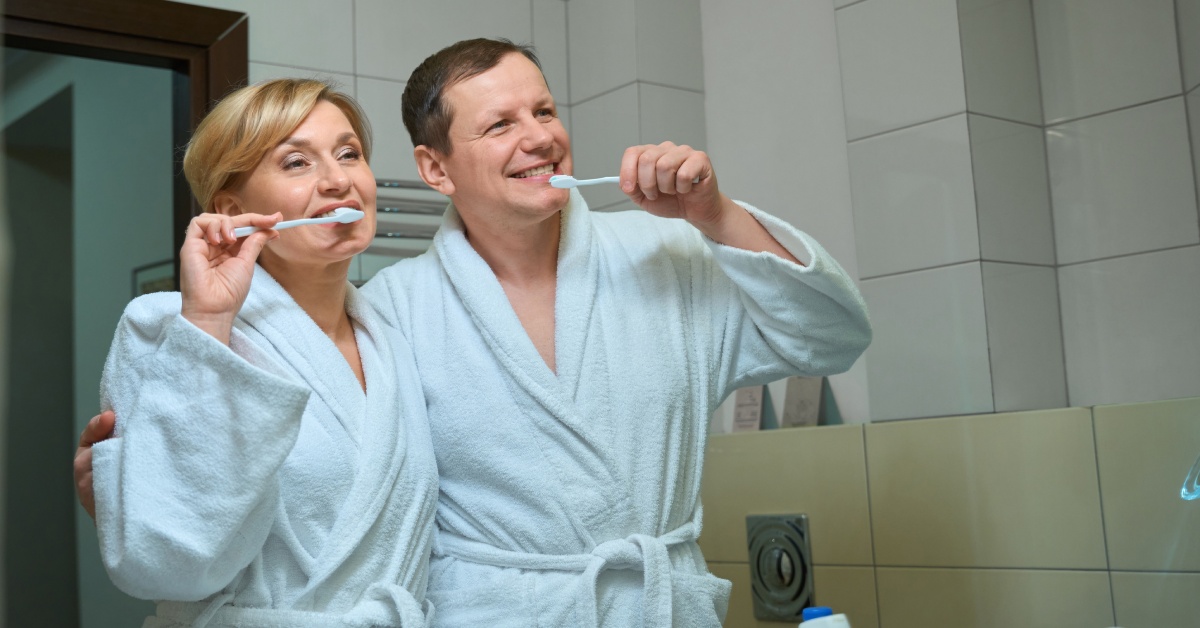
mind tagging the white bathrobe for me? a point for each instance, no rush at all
(572, 499)
(260, 486)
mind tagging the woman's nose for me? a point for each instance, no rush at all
(334, 178)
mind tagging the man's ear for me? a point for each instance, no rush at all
(433, 173)
(227, 202)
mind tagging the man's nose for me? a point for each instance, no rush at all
(535, 135)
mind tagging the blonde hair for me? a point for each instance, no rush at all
(249, 123)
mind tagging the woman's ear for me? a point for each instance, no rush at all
(430, 165)
(227, 202)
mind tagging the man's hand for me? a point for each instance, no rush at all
(98, 429)
(678, 182)
(674, 182)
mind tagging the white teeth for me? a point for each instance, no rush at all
(547, 169)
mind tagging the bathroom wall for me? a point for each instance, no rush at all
(1024, 201)
(1055, 518)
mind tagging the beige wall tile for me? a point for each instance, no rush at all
(1151, 600)
(993, 598)
(817, 471)
(849, 590)
(1144, 452)
(1005, 490)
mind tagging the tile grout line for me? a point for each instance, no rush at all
(1124, 255)
(987, 334)
(1112, 596)
(1152, 101)
(604, 93)
(907, 126)
(983, 568)
(1188, 123)
(871, 527)
(1062, 323)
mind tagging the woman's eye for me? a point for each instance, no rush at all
(292, 164)
(350, 154)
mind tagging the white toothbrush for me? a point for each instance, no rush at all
(565, 181)
(341, 214)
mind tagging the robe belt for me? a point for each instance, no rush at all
(381, 605)
(636, 551)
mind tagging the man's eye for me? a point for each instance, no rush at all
(498, 126)
(545, 113)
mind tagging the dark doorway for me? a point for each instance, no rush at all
(41, 586)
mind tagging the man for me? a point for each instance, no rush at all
(571, 360)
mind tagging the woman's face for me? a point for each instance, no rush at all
(318, 168)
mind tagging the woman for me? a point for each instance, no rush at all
(274, 466)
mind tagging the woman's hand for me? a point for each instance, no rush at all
(216, 268)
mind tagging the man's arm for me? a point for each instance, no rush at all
(100, 428)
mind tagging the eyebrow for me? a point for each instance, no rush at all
(300, 142)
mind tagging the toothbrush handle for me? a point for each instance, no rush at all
(242, 232)
(579, 182)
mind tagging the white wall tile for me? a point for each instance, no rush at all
(901, 63)
(265, 71)
(1000, 59)
(914, 201)
(929, 356)
(1011, 191)
(669, 114)
(1193, 109)
(1024, 337)
(1130, 327)
(603, 128)
(393, 152)
(841, 3)
(1187, 15)
(776, 134)
(550, 39)
(1098, 55)
(1122, 183)
(669, 49)
(784, 149)
(316, 34)
(603, 41)
(392, 37)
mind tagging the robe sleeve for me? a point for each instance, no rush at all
(779, 318)
(186, 494)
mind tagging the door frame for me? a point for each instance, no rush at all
(207, 47)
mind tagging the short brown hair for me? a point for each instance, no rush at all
(427, 116)
(250, 122)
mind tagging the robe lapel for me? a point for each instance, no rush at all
(383, 449)
(272, 312)
(490, 310)
(575, 299)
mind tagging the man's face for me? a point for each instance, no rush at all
(506, 142)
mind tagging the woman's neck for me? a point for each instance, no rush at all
(319, 290)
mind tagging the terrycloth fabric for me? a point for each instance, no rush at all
(256, 484)
(572, 499)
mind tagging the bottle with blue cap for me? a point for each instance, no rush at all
(822, 617)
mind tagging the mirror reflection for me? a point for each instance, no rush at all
(1010, 185)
